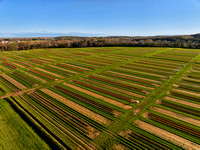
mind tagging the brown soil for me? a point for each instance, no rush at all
(34, 77)
(175, 85)
(123, 56)
(18, 65)
(63, 69)
(51, 73)
(61, 128)
(144, 72)
(137, 85)
(116, 103)
(177, 116)
(188, 92)
(116, 89)
(195, 71)
(183, 102)
(168, 136)
(109, 59)
(158, 102)
(77, 107)
(78, 67)
(157, 61)
(117, 113)
(145, 114)
(190, 79)
(13, 81)
(136, 111)
(4, 68)
(50, 60)
(190, 84)
(126, 133)
(136, 77)
(119, 147)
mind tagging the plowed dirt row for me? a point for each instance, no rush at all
(137, 85)
(168, 136)
(13, 81)
(116, 89)
(51, 73)
(77, 107)
(188, 92)
(111, 101)
(34, 77)
(177, 116)
(183, 102)
(134, 77)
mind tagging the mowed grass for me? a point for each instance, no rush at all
(15, 134)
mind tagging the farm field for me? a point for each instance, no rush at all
(15, 133)
(101, 98)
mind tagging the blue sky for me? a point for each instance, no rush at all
(110, 17)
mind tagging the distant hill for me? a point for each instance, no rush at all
(77, 34)
(196, 35)
(46, 34)
(26, 41)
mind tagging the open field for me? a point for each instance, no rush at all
(15, 133)
(103, 98)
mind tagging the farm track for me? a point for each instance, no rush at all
(85, 74)
(168, 136)
(164, 87)
(111, 132)
(141, 107)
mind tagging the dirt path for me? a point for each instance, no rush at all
(77, 107)
(177, 116)
(111, 101)
(168, 136)
(17, 93)
(183, 102)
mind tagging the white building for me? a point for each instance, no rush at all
(4, 41)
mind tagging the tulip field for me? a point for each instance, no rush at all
(100, 98)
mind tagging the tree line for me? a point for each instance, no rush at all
(184, 41)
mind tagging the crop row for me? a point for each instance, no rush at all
(132, 91)
(181, 108)
(137, 138)
(67, 127)
(105, 91)
(175, 125)
(187, 89)
(9, 65)
(86, 100)
(137, 52)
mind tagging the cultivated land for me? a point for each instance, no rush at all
(100, 98)
(15, 133)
